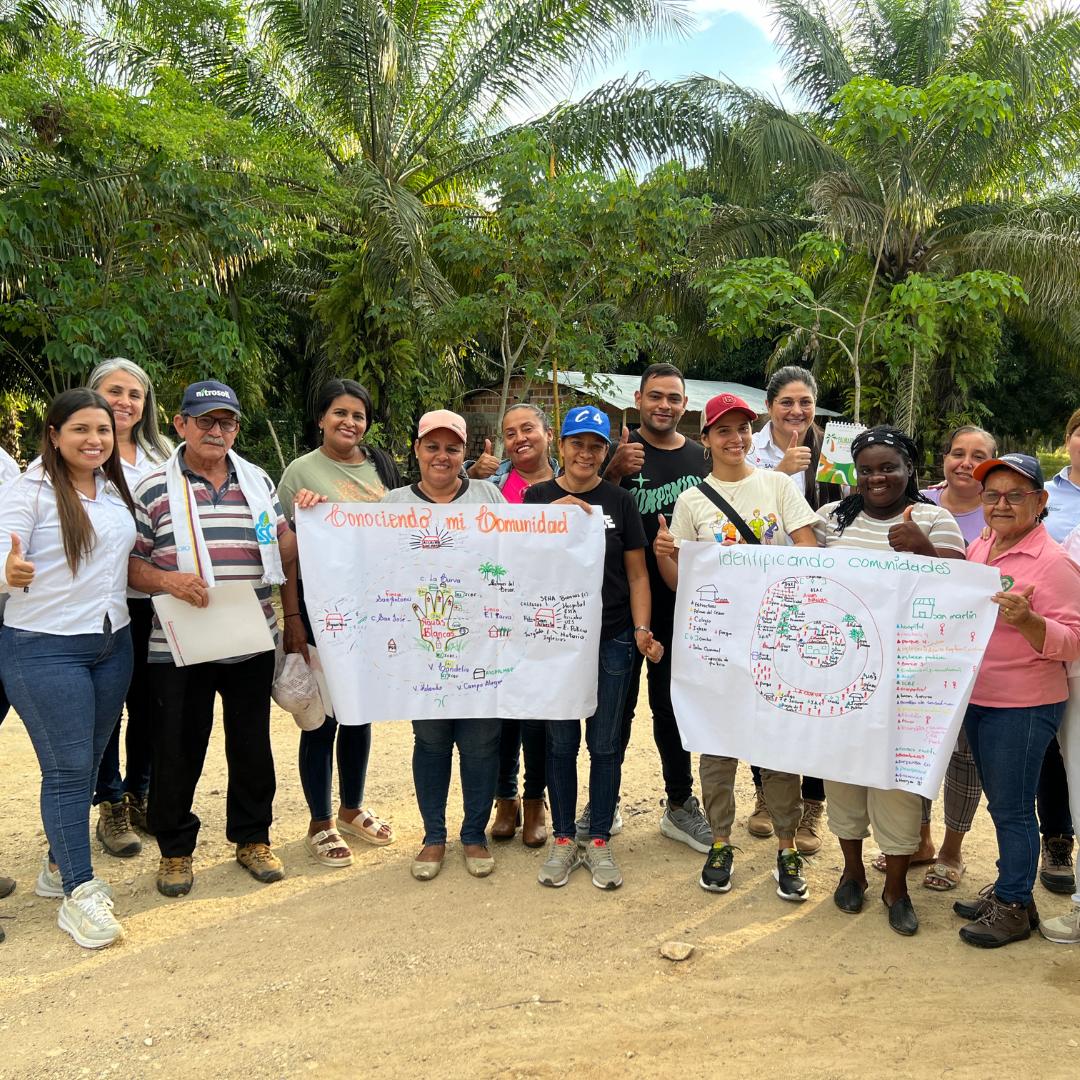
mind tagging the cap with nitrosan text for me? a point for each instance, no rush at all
(204, 397)
(587, 420)
(1024, 464)
(718, 406)
(442, 418)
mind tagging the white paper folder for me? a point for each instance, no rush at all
(232, 624)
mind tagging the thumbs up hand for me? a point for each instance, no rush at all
(796, 458)
(907, 536)
(626, 460)
(485, 465)
(664, 544)
(17, 571)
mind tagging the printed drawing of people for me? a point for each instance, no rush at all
(757, 523)
(724, 531)
(771, 529)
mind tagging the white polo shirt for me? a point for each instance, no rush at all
(765, 454)
(55, 602)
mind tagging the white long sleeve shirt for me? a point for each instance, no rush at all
(55, 602)
(9, 467)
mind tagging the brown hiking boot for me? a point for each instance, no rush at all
(1056, 865)
(115, 832)
(174, 876)
(260, 862)
(534, 831)
(1000, 924)
(137, 809)
(808, 834)
(507, 819)
(972, 910)
(760, 821)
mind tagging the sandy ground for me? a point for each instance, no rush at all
(365, 972)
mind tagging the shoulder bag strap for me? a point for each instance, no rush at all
(733, 515)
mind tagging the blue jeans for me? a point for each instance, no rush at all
(1009, 746)
(478, 761)
(603, 737)
(68, 689)
(317, 765)
(530, 736)
(138, 743)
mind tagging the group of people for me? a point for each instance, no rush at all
(111, 513)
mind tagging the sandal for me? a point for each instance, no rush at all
(941, 877)
(368, 827)
(322, 844)
(879, 862)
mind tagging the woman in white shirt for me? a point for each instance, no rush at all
(790, 442)
(121, 799)
(67, 526)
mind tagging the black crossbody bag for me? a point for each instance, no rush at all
(733, 515)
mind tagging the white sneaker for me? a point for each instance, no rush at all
(48, 882)
(50, 885)
(1065, 929)
(87, 916)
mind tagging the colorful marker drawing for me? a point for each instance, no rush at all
(815, 649)
(431, 540)
(335, 622)
(434, 619)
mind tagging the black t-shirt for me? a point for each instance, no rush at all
(623, 532)
(665, 475)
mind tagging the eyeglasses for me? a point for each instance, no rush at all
(207, 423)
(1013, 498)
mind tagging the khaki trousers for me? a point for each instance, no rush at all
(782, 793)
(895, 816)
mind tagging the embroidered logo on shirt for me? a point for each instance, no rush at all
(264, 530)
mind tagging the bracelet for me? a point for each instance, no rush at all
(644, 628)
(293, 615)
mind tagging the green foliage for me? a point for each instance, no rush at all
(127, 225)
(550, 275)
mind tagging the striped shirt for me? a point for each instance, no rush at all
(227, 529)
(868, 532)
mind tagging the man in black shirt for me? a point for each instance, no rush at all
(656, 464)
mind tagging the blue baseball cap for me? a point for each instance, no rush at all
(204, 397)
(587, 420)
(1024, 464)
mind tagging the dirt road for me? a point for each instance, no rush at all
(364, 972)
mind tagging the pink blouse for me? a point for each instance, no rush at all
(1013, 675)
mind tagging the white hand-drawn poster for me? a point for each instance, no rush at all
(843, 663)
(454, 611)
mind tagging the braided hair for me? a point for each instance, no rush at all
(847, 510)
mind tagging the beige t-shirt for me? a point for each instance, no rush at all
(766, 500)
(339, 481)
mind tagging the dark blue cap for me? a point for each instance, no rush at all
(204, 397)
(1024, 464)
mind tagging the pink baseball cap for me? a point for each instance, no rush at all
(718, 406)
(442, 418)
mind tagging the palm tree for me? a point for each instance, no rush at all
(962, 187)
(409, 102)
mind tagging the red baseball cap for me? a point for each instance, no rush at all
(722, 404)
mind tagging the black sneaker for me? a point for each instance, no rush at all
(716, 873)
(788, 874)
